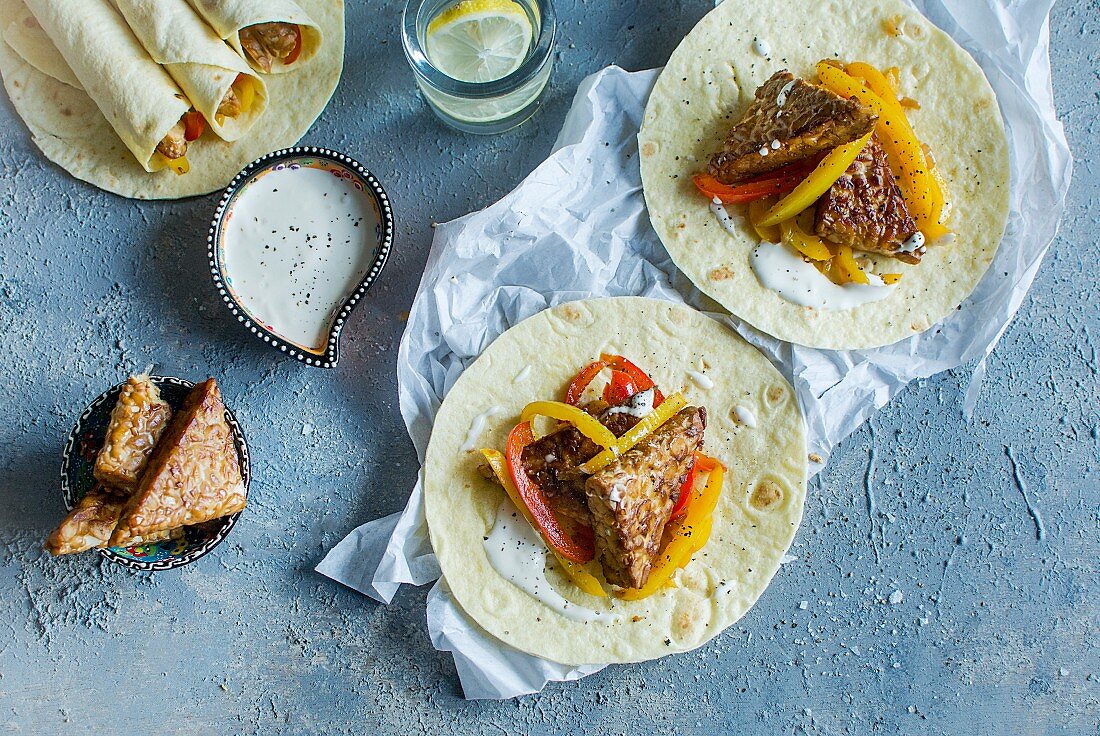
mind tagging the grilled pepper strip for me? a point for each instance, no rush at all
(580, 577)
(534, 501)
(585, 423)
(620, 388)
(689, 536)
(637, 433)
(831, 168)
(580, 382)
(808, 245)
(758, 210)
(901, 144)
(881, 85)
(845, 270)
(641, 378)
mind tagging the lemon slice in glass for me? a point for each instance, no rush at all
(479, 40)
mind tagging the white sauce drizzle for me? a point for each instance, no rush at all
(701, 379)
(781, 98)
(297, 242)
(728, 221)
(914, 243)
(776, 144)
(745, 416)
(522, 375)
(478, 426)
(640, 404)
(781, 269)
(945, 239)
(517, 552)
(761, 48)
(763, 151)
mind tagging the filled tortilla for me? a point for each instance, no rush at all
(834, 174)
(649, 514)
(274, 36)
(25, 36)
(220, 85)
(142, 103)
(68, 127)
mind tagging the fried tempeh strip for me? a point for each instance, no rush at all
(194, 474)
(137, 421)
(631, 499)
(92, 521)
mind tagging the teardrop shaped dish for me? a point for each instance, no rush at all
(298, 238)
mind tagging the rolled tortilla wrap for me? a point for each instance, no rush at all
(203, 66)
(134, 93)
(230, 17)
(26, 38)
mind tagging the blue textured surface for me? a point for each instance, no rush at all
(994, 630)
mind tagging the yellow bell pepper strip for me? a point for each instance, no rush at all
(689, 536)
(890, 278)
(757, 211)
(246, 91)
(585, 423)
(808, 245)
(580, 577)
(845, 270)
(901, 144)
(178, 165)
(579, 547)
(637, 433)
(831, 168)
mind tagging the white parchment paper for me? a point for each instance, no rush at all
(577, 227)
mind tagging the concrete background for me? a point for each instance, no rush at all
(997, 629)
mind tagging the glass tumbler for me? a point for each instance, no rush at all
(473, 106)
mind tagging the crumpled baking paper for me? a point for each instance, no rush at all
(577, 227)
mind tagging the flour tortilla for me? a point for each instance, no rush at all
(69, 129)
(667, 340)
(133, 92)
(228, 17)
(196, 58)
(710, 80)
(29, 41)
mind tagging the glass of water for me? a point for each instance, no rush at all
(482, 65)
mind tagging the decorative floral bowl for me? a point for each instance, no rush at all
(342, 167)
(78, 459)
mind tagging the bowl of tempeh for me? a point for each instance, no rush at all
(154, 474)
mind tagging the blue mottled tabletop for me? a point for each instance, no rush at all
(924, 598)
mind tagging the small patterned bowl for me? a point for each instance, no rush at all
(78, 459)
(341, 166)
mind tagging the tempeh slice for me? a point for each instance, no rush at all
(137, 421)
(194, 474)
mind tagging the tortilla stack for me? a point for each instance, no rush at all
(208, 71)
(135, 94)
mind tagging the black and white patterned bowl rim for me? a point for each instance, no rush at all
(332, 349)
(68, 492)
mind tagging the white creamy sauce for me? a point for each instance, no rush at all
(617, 492)
(701, 379)
(761, 48)
(776, 144)
(725, 219)
(522, 375)
(517, 552)
(945, 239)
(296, 243)
(781, 269)
(640, 404)
(477, 426)
(745, 416)
(781, 98)
(763, 151)
(914, 243)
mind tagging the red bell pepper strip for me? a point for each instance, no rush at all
(620, 388)
(297, 50)
(581, 381)
(780, 181)
(701, 463)
(579, 547)
(641, 379)
(193, 125)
